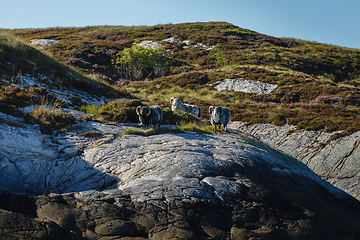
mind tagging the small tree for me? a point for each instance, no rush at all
(221, 58)
(137, 63)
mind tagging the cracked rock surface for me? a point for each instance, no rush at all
(337, 161)
(167, 186)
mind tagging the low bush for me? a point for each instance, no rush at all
(137, 63)
(22, 97)
(236, 31)
(177, 117)
(50, 120)
(120, 110)
(91, 134)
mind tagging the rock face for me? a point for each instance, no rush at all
(337, 161)
(168, 186)
(244, 85)
(44, 42)
(188, 43)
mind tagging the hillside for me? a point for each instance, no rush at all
(70, 175)
(318, 84)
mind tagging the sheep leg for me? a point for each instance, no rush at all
(225, 129)
(197, 121)
(215, 128)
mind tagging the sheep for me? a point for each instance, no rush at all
(149, 115)
(219, 116)
(178, 104)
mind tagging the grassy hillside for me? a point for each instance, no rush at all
(318, 83)
(19, 61)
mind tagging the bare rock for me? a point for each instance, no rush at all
(44, 42)
(244, 85)
(188, 186)
(337, 161)
(116, 227)
(18, 226)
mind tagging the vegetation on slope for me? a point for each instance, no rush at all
(19, 60)
(186, 127)
(318, 83)
(50, 119)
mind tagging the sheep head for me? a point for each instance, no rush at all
(175, 98)
(176, 102)
(218, 110)
(171, 99)
(143, 110)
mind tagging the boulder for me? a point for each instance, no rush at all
(180, 186)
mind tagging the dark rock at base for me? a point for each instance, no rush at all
(261, 213)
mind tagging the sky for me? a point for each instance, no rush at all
(325, 21)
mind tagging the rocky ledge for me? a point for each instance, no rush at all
(167, 186)
(335, 160)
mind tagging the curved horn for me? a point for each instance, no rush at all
(171, 99)
(211, 109)
(138, 110)
(181, 99)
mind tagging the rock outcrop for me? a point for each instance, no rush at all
(44, 42)
(244, 85)
(167, 186)
(185, 44)
(337, 161)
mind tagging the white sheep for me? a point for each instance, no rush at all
(178, 104)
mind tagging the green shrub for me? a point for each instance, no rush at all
(120, 110)
(236, 31)
(177, 117)
(138, 63)
(221, 58)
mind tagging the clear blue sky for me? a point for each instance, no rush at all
(325, 21)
